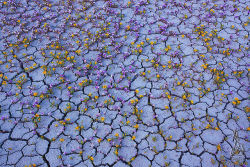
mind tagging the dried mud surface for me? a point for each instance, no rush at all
(124, 83)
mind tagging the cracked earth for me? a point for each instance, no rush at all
(124, 83)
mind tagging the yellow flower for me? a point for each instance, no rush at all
(102, 119)
(91, 158)
(117, 135)
(218, 147)
(208, 126)
(116, 152)
(62, 140)
(133, 137)
(184, 97)
(35, 93)
(136, 126)
(166, 107)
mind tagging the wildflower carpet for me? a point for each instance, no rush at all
(124, 83)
